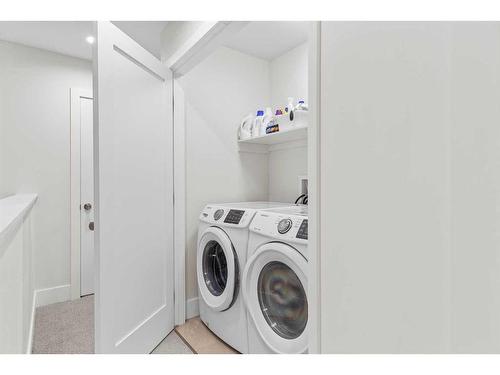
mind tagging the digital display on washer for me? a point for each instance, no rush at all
(302, 232)
(234, 216)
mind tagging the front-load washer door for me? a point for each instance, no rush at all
(217, 269)
(274, 290)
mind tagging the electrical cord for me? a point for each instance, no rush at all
(299, 198)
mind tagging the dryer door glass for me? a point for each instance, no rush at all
(214, 268)
(282, 299)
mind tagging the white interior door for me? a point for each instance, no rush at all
(133, 195)
(87, 261)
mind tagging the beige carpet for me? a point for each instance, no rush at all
(201, 340)
(68, 328)
(65, 328)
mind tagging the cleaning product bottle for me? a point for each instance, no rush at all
(258, 123)
(289, 110)
(290, 106)
(302, 106)
(300, 115)
(245, 129)
(272, 126)
(268, 117)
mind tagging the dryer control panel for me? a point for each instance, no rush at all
(290, 228)
(224, 216)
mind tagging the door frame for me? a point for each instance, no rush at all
(179, 150)
(207, 38)
(75, 187)
(314, 187)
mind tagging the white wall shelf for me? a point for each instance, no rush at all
(264, 143)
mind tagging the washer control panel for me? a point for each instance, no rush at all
(302, 232)
(234, 216)
(290, 228)
(224, 216)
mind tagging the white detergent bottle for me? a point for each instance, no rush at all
(245, 128)
(268, 117)
(258, 122)
(302, 106)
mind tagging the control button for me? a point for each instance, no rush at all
(284, 226)
(218, 214)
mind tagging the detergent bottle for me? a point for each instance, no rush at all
(301, 114)
(268, 118)
(258, 123)
(302, 106)
(245, 129)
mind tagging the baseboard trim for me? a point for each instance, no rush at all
(29, 347)
(42, 297)
(192, 308)
(56, 294)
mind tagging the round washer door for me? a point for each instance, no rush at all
(217, 269)
(274, 290)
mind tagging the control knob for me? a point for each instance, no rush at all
(218, 214)
(284, 226)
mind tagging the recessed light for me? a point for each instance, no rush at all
(90, 39)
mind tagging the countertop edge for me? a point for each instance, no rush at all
(13, 211)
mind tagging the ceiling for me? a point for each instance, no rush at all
(269, 39)
(68, 37)
(263, 39)
(146, 33)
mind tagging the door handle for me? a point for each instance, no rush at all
(91, 225)
(87, 206)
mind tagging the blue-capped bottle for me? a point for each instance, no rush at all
(257, 124)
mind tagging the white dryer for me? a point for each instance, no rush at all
(221, 256)
(274, 281)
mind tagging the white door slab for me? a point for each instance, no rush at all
(133, 196)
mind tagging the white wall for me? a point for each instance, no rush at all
(175, 34)
(475, 186)
(289, 78)
(410, 151)
(219, 92)
(16, 279)
(11, 296)
(35, 149)
(385, 276)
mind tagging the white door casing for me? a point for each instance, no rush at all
(133, 195)
(81, 109)
(87, 261)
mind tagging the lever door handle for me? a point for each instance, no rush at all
(91, 225)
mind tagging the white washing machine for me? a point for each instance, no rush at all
(221, 256)
(274, 284)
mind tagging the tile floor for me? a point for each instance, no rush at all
(201, 340)
(172, 344)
